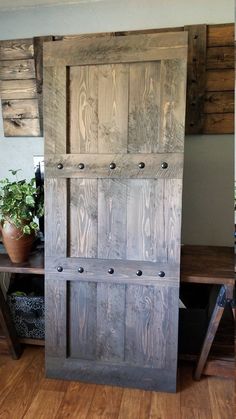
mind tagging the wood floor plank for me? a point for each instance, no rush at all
(106, 403)
(77, 401)
(135, 404)
(25, 393)
(12, 370)
(22, 391)
(194, 394)
(165, 405)
(222, 397)
(45, 405)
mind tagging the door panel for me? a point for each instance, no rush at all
(114, 125)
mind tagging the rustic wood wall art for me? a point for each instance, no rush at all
(114, 140)
(21, 86)
(210, 88)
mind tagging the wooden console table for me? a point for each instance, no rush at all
(199, 264)
(35, 265)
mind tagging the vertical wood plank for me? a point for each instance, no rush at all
(56, 317)
(173, 97)
(55, 110)
(55, 217)
(83, 309)
(196, 80)
(83, 109)
(144, 107)
(172, 202)
(110, 322)
(147, 326)
(146, 220)
(112, 195)
(83, 218)
(113, 108)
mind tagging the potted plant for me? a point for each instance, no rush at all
(21, 202)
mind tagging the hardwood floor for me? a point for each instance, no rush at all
(25, 393)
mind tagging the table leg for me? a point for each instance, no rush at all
(211, 331)
(8, 328)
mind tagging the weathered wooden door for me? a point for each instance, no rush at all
(114, 140)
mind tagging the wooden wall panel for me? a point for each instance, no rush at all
(210, 69)
(21, 81)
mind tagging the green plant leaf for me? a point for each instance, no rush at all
(26, 229)
(29, 200)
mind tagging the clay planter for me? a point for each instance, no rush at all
(18, 246)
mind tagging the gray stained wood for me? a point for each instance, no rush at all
(114, 163)
(126, 165)
(151, 47)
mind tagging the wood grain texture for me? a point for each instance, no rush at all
(16, 49)
(151, 48)
(135, 403)
(146, 221)
(38, 407)
(113, 88)
(106, 402)
(172, 203)
(144, 107)
(221, 123)
(83, 308)
(219, 80)
(83, 218)
(77, 401)
(21, 127)
(112, 219)
(56, 226)
(124, 271)
(56, 320)
(173, 97)
(23, 390)
(196, 80)
(213, 399)
(18, 89)
(17, 69)
(25, 109)
(219, 102)
(220, 35)
(83, 109)
(165, 406)
(127, 165)
(55, 113)
(220, 57)
(110, 322)
(145, 309)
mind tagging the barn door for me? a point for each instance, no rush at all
(114, 126)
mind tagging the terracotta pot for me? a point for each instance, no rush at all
(18, 245)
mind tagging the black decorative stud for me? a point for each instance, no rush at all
(139, 273)
(112, 166)
(80, 269)
(164, 165)
(60, 268)
(81, 166)
(60, 166)
(141, 165)
(110, 271)
(161, 274)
